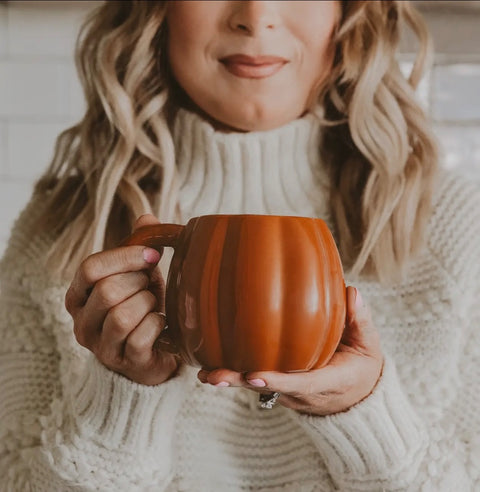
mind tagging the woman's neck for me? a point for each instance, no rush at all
(268, 172)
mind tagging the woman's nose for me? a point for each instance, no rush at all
(253, 16)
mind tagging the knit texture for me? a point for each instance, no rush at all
(69, 424)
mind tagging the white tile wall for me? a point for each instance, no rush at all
(3, 150)
(44, 28)
(461, 148)
(457, 92)
(40, 95)
(22, 138)
(3, 31)
(33, 89)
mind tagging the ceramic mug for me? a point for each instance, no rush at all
(252, 292)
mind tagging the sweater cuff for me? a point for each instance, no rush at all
(379, 438)
(119, 413)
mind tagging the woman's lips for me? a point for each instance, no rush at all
(253, 67)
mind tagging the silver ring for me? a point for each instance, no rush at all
(268, 400)
(162, 315)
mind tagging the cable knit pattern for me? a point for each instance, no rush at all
(69, 424)
(274, 172)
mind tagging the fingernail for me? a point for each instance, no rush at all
(222, 384)
(259, 383)
(151, 255)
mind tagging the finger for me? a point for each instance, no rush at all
(360, 332)
(221, 377)
(327, 380)
(104, 264)
(357, 310)
(140, 343)
(157, 287)
(108, 293)
(120, 322)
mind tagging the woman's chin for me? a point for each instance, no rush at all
(246, 116)
(251, 123)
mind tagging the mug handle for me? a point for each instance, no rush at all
(158, 236)
(155, 236)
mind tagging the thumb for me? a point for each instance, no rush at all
(360, 332)
(142, 232)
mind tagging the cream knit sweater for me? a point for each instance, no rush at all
(69, 424)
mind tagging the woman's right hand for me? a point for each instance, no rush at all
(114, 300)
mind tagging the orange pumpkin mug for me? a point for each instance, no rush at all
(252, 292)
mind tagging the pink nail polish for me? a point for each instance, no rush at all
(259, 383)
(222, 384)
(151, 255)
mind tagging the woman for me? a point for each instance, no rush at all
(243, 107)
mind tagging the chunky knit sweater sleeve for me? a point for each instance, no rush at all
(421, 430)
(66, 422)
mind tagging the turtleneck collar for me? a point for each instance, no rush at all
(274, 172)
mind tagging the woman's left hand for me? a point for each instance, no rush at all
(348, 378)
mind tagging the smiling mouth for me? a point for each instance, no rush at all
(253, 67)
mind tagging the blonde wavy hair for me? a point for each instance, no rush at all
(118, 162)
